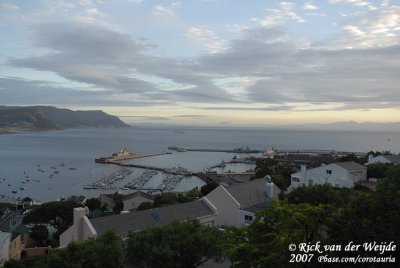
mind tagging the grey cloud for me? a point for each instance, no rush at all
(107, 59)
(153, 118)
(16, 91)
(272, 108)
(357, 78)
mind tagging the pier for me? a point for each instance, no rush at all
(125, 155)
(242, 150)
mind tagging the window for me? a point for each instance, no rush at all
(295, 179)
(328, 171)
(310, 182)
(248, 218)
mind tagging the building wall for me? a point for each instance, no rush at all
(16, 246)
(210, 220)
(246, 217)
(4, 247)
(358, 175)
(134, 202)
(227, 207)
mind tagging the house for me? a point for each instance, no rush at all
(5, 238)
(236, 204)
(384, 159)
(84, 228)
(340, 174)
(131, 201)
(20, 240)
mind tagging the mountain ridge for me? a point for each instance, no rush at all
(41, 118)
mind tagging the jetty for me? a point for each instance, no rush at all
(125, 155)
(241, 150)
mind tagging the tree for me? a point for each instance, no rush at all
(378, 170)
(206, 189)
(104, 251)
(40, 234)
(93, 203)
(319, 194)
(179, 244)
(372, 216)
(265, 243)
(58, 214)
(119, 204)
(280, 172)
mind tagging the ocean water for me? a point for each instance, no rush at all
(71, 152)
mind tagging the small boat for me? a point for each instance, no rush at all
(56, 172)
(14, 191)
(62, 164)
(22, 188)
(72, 168)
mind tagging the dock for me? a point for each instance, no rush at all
(235, 151)
(125, 155)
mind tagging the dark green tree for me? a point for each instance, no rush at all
(378, 170)
(118, 201)
(93, 203)
(265, 243)
(206, 189)
(40, 234)
(104, 251)
(319, 194)
(179, 245)
(58, 214)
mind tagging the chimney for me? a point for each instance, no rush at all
(79, 213)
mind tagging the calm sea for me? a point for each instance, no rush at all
(71, 153)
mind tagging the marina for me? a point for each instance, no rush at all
(107, 183)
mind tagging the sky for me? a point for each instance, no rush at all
(205, 62)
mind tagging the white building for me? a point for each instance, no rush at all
(5, 239)
(236, 204)
(384, 159)
(341, 174)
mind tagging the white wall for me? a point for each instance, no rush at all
(227, 207)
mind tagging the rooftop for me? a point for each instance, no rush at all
(135, 221)
(350, 166)
(251, 195)
(131, 195)
(395, 159)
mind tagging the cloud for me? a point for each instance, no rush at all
(9, 6)
(379, 29)
(359, 3)
(208, 38)
(279, 16)
(309, 6)
(168, 11)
